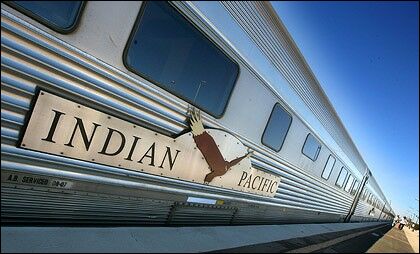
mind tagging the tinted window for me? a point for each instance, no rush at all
(61, 16)
(277, 126)
(364, 194)
(167, 49)
(328, 167)
(311, 147)
(349, 183)
(341, 177)
(355, 186)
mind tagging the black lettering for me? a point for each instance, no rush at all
(40, 181)
(27, 179)
(152, 156)
(57, 116)
(108, 138)
(12, 178)
(132, 148)
(268, 187)
(79, 123)
(274, 183)
(248, 181)
(243, 177)
(171, 162)
(265, 183)
(260, 183)
(252, 186)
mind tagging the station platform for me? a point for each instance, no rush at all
(382, 239)
(293, 237)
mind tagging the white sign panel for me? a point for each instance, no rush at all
(62, 127)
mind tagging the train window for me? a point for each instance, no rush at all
(61, 16)
(341, 177)
(311, 147)
(328, 167)
(349, 183)
(165, 48)
(277, 127)
(365, 194)
(355, 186)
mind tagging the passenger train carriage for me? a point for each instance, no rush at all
(169, 113)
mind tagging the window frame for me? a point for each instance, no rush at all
(365, 193)
(345, 178)
(266, 125)
(318, 150)
(335, 160)
(351, 185)
(47, 23)
(163, 87)
(354, 188)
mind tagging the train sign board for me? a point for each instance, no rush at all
(205, 156)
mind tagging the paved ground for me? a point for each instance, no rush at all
(166, 239)
(376, 239)
(304, 244)
(383, 240)
(413, 238)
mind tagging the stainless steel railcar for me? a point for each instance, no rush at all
(253, 85)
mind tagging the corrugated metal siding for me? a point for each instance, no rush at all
(267, 33)
(270, 35)
(34, 205)
(198, 214)
(31, 58)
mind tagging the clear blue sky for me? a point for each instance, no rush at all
(366, 57)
